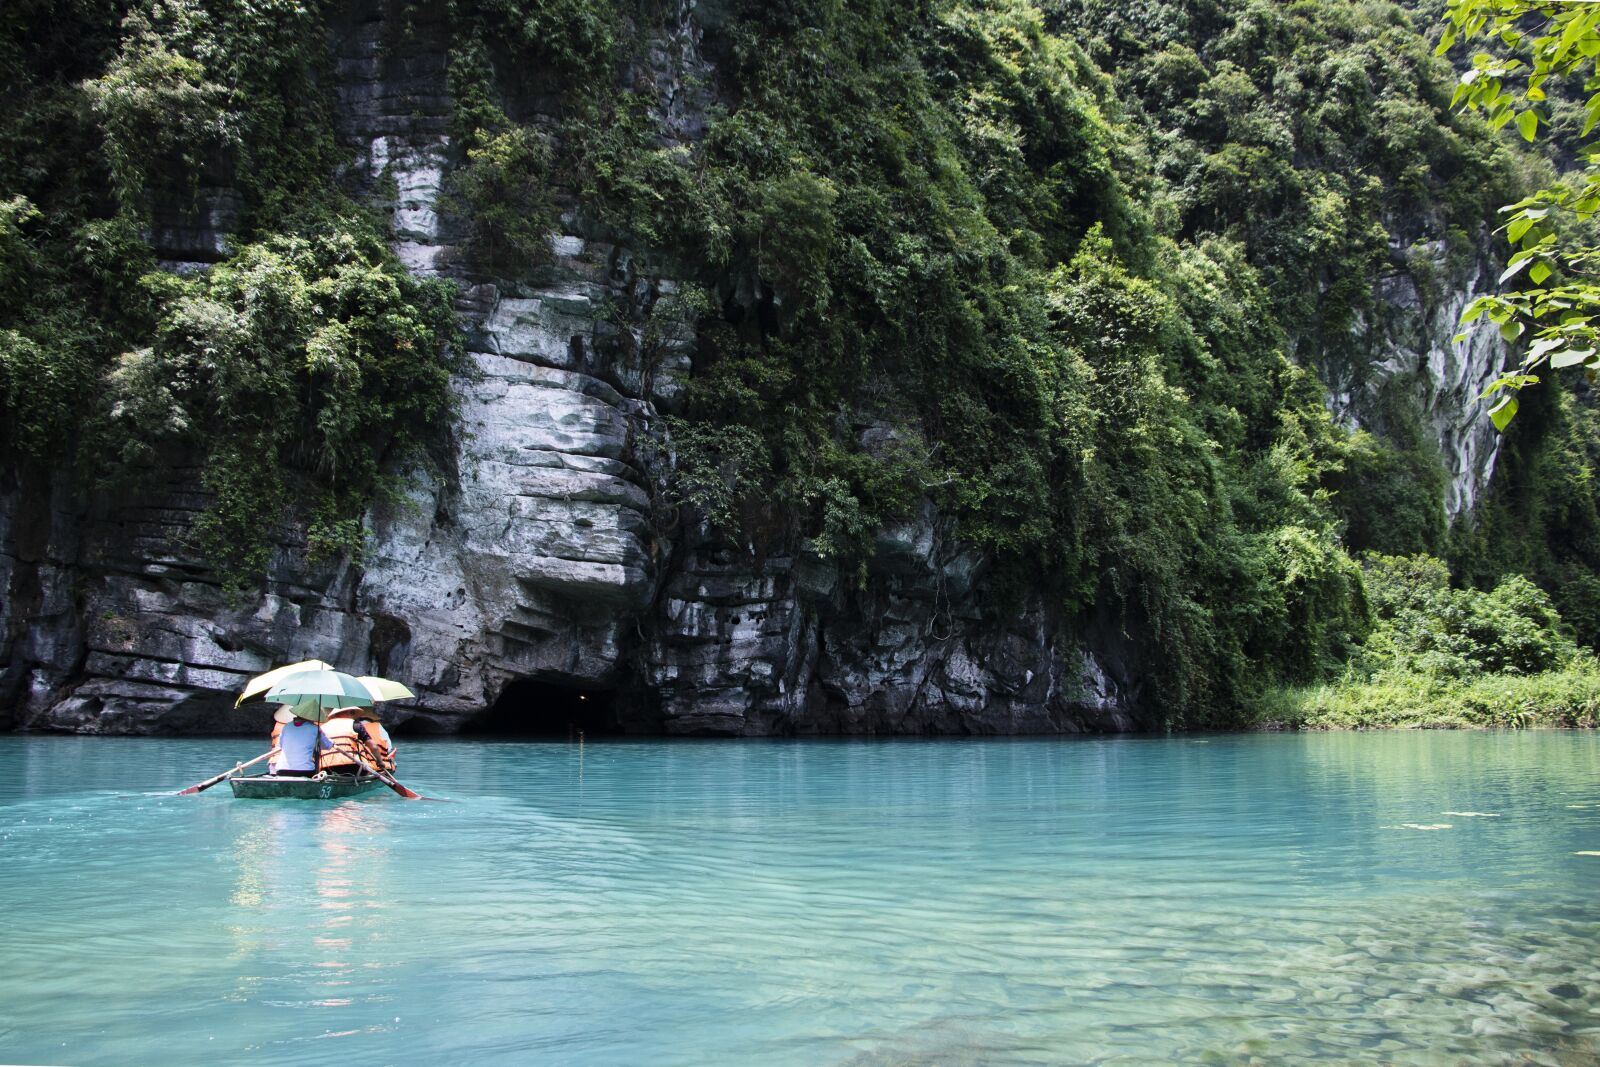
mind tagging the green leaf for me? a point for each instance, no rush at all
(1528, 123)
(1512, 271)
(1543, 346)
(1517, 228)
(1511, 330)
(1539, 273)
(1502, 413)
(1571, 358)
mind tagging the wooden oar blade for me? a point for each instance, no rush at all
(376, 770)
(393, 783)
(201, 787)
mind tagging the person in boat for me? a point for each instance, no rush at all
(378, 741)
(297, 741)
(356, 740)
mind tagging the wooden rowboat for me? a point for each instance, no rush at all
(272, 787)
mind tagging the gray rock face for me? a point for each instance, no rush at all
(1409, 345)
(545, 553)
(795, 646)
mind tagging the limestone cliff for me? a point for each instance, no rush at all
(545, 555)
(547, 552)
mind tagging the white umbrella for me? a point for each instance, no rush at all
(384, 689)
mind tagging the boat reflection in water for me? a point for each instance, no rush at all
(312, 893)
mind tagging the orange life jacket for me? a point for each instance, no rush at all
(381, 744)
(348, 751)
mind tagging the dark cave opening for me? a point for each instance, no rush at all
(533, 707)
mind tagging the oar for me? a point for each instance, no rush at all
(388, 779)
(201, 787)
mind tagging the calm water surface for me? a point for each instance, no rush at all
(1355, 898)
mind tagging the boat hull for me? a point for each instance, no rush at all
(271, 787)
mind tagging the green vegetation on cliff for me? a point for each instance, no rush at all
(1083, 288)
(302, 371)
(298, 360)
(1069, 273)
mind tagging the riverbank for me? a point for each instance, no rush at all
(1563, 698)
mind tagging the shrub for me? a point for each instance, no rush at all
(1567, 697)
(1426, 627)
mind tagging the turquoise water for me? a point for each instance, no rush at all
(1226, 899)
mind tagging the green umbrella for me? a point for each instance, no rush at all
(317, 694)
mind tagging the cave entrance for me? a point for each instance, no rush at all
(533, 707)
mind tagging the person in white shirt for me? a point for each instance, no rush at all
(297, 741)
